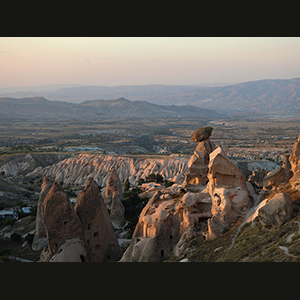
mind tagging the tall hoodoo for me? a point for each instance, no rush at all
(40, 237)
(63, 227)
(295, 156)
(198, 162)
(100, 239)
(228, 191)
(112, 198)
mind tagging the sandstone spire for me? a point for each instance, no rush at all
(100, 239)
(228, 191)
(63, 227)
(112, 198)
(40, 237)
(295, 156)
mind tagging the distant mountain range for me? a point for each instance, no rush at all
(121, 108)
(253, 97)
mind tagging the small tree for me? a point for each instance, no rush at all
(159, 178)
(126, 185)
(141, 181)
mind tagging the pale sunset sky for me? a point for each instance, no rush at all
(109, 61)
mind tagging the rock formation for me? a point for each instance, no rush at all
(99, 236)
(228, 190)
(63, 228)
(198, 162)
(295, 156)
(113, 188)
(277, 211)
(257, 177)
(163, 222)
(112, 198)
(40, 237)
(76, 170)
(279, 176)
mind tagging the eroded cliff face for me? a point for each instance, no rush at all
(164, 222)
(76, 170)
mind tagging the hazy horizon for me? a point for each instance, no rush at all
(114, 61)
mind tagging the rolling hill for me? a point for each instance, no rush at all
(98, 109)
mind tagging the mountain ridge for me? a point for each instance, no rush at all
(260, 96)
(101, 109)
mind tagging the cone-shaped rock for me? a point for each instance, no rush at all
(100, 239)
(40, 237)
(63, 227)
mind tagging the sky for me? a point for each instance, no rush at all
(109, 61)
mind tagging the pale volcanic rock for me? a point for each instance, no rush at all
(76, 170)
(198, 162)
(229, 193)
(100, 239)
(162, 224)
(112, 198)
(222, 172)
(276, 211)
(40, 237)
(279, 176)
(114, 188)
(62, 225)
(295, 155)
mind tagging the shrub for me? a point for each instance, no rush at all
(141, 181)
(15, 237)
(169, 183)
(154, 178)
(9, 222)
(126, 185)
(5, 252)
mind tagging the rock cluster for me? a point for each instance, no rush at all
(76, 235)
(198, 162)
(163, 223)
(63, 228)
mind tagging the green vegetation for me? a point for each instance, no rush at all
(133, 206)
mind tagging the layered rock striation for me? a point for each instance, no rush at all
(76, 170)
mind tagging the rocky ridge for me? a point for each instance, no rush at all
(76, 170)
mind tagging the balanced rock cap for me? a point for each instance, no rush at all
(202, 134)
